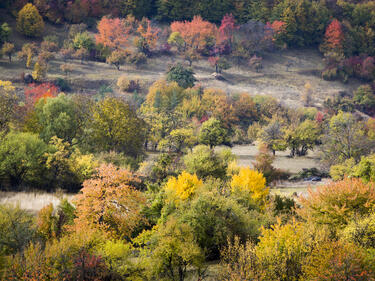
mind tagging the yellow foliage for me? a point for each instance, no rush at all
(252, 182)
(184, 185)
(7, 86)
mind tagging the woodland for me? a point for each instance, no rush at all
(157, 192)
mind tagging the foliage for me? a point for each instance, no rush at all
(29, 50)
(183, 186)
(8, 50)
(204, 162)
(112, 33)
(337, 261)
(40, 71)
(273, 136)
(251, 185)
(8, 102)
(335, 204)
(117, 58)
(105, 198)
(212, 133)
(128, 85)
(183, 76)
(29, 21)
(22, 160)
(116, 127)
(16, 229)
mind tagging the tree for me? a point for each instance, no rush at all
(226, 30)
(113, 33)
(29, 50)
(337, 203)
(178, 140)
(57, 116)
(148, 36)
(8, 102)
(22, 160)
(204, 162)
(183, 76)
(251, 185)
(302, 138)
(16, 229)
(212, 133)
(183, 187)
(273, 136)
(110, 202)
(115, 126)
(5, 32)
(8, 50)
(197, 34)
(29, 21)
(344, 139)
(171, 251)
(83, 40)
(338, 260)
(67, 68)
(333, 38)
(245, 110)
(364, 97)
(117, 58)
(40, 71)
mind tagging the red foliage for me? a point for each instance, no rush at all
(36, 92)
(113, 33)
(88, 267)
(196, 32)
(334, 36)
(226, 29)
(319, 117)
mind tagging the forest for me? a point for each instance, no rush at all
(134, 109)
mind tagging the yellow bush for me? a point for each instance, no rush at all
(29, 21)
(252, 182)
(7, 86)
(184, 185)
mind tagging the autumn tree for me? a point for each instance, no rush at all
(110, 202)
(115, 126)
(333, 38)
(8, 50)
(117, 58)
(113, 33)
(148, 36)
(29, 50)
(226, 31)
(29, 21)
(197, 35)
(273, 136)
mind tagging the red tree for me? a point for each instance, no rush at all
(334, 36)
(226, 29)
(113, 33)
(196, 32)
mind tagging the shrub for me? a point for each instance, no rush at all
(184, 186)
(29, 21)
(337, 203)
(137, 59)
(361, 231)
(128, 85)
(337, 261)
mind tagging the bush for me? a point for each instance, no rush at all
(336, 204)
(63, 85)
(137, 59)
(337, 261)
(128, 85)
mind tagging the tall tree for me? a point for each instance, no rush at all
(113, 33)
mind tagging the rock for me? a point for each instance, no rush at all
(28, 78)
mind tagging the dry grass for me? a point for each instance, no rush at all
(32, 201)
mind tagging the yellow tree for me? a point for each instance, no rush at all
(252, 184)
(184, 186)
(29, 21)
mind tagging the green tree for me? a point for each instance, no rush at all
(171, 251)
(58, 117)
(178, 140)
(22, 159)
(204, 162)
(183, 76)
(5, 32)
(83, 40)
(273, 136)
(8, 102)
(345, 138)
(302, 138)
(29, 21)
(115, 126)
(364, 97)
(213, 133)
(16, 229)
